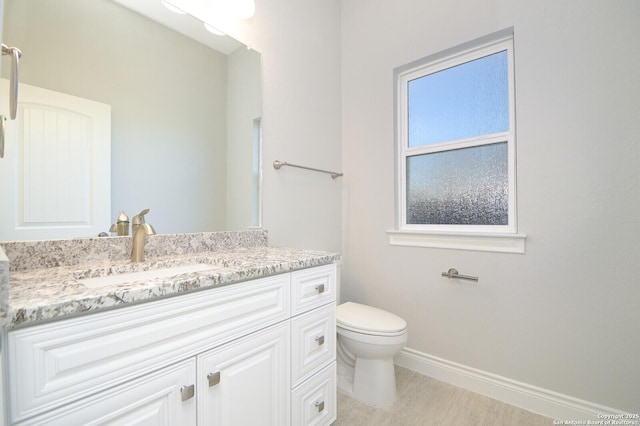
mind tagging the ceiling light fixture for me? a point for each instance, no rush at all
(206, 10)
(241, 9)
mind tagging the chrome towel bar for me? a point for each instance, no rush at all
(277, 164)
(453, 273)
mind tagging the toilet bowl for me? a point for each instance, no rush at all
(368, 339)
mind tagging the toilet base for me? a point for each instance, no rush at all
(345, 378)
(373, 381)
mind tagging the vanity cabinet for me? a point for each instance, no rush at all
(224, 356)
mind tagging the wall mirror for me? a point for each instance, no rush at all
(185, 106)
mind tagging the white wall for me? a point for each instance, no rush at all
(565, 316)
(300, 46)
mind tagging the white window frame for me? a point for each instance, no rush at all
(502, 238)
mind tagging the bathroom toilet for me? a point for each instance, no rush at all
(368, 339)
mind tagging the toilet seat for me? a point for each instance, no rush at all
(369, 320)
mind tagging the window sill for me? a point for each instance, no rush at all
(501, 243)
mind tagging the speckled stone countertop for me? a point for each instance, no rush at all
(45, 293)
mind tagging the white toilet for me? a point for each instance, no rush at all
(368, 339)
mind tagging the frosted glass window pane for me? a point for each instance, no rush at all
(471, 99)
(468, 186)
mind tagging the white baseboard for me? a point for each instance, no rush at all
(531, 398)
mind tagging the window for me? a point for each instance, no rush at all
(256, 175)
(456, 146)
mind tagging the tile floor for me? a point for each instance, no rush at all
(423, 401)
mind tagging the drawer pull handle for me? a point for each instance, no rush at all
(187, 392)
(320, 340)
(320, 288)
(320, 405)
(214, 378)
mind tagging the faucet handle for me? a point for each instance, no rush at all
(122, 217)
(139, 218)
(139, 222)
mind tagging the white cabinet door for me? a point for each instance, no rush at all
(246, 382)
(159, 398)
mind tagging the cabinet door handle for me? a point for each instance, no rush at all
(188, 392)
(320, 340)
(320, 288)
(214, 378)
(320, 405)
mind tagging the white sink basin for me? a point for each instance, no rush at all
(116, 279)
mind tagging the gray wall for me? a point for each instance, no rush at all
(300, 46)
(565, 315)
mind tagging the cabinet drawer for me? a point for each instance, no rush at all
(313, 287)
(313, 342)
(156, 398)
(60, 362)
(314, 402)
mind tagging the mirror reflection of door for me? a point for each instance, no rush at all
(56, 171)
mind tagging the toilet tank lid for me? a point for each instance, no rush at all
(367, 318)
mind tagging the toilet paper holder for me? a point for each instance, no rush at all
(453, 273)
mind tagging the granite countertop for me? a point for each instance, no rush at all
(52, 293)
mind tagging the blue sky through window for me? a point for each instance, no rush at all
(463, 101)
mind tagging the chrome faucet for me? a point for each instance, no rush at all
(140, 231)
